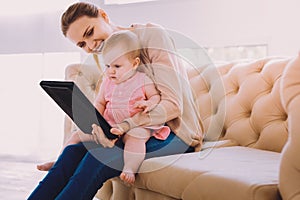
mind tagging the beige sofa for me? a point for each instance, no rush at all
(253, 135)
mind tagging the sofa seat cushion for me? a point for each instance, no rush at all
(217, 173)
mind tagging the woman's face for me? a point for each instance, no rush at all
(89, 33)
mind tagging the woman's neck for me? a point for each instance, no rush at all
(120, 28)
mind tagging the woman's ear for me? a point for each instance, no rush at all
(103, 14)
(136, 62)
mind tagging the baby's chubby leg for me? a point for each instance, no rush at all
(134, 152)
(75, 138)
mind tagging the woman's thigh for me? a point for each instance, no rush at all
(172, 145)
(113, 157)
(98, 165)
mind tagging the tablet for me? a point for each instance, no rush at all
(77, 106)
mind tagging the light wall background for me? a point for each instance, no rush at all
(210, 23)
(221, 23)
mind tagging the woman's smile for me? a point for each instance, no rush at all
(98, 47)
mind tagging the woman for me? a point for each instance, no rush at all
(82, 169)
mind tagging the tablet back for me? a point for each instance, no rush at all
(76, 105)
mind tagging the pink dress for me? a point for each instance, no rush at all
(120, 99)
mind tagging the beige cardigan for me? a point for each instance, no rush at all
(177, 106)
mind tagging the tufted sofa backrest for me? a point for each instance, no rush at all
(243, 105)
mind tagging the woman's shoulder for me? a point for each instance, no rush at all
(149, 29)
(152, 35)
(147, 25)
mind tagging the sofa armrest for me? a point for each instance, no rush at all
(289, 178)
(88, 78)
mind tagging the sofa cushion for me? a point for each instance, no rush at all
(217, 173)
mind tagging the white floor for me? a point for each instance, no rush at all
(18, 178)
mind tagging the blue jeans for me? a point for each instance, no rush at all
(82, 168)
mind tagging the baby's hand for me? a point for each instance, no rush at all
(144, 105)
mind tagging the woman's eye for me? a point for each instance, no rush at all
(81, 44)
(90, 32)
(107, 66)
(117, 66)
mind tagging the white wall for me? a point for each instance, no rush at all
(221, 23)
(31, 122)
(33, 33)
(208, 22)
(32, 49)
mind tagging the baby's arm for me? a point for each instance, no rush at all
(152, 95)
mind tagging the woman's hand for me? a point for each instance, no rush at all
(100, 138)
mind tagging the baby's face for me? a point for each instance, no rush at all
(120, 69)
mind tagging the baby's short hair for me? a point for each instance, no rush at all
(121, 43)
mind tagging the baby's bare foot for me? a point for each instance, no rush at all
(45, 167)
(127, 177)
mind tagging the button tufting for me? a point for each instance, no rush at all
(237, 89)
(79, 73)
(259, 70)
(249, 113)
(215, 111)
(208, 88)
(93, 86)
(285, 117)
(259, 67)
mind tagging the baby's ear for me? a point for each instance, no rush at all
(136, 62)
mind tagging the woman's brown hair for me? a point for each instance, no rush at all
(76, 11)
